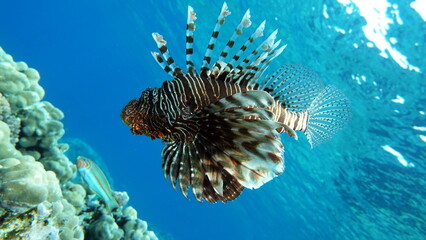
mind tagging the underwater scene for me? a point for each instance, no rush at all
(198, 120)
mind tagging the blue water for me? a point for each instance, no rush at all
(94, 56)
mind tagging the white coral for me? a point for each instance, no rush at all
(24, 183)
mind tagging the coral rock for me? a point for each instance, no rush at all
(24, 183)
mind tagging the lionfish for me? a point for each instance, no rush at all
(221, 126)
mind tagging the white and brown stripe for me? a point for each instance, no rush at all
(207, 56)
(244, 23)
(190, 28)
(221, 125)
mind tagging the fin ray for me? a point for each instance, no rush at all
(244, 23)
(161, 44)
(220, 21)
(211, 183)
(247, 146)
(190, 28)
(294, 85)
(329, 112)
(257, 33)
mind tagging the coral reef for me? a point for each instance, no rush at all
(38, 199)
(7, 117)
(39, 120)
(24, 183)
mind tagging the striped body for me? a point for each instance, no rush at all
(221, 125)
(189, 93)
(95, 179)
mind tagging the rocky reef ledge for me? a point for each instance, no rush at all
(38, 200)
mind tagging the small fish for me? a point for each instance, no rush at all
(95, 179)
(222, 125)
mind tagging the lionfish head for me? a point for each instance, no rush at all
(138, 111)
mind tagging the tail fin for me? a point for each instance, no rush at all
(328, 113)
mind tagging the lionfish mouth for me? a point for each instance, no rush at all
(137, 129)
(125, 120)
